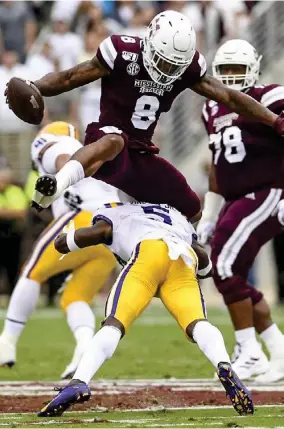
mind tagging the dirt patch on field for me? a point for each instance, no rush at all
(144, 398)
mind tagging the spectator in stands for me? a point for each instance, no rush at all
(15, 135)
(13, 208)
(134, 16)
(17, 27)
(66, 46)
(89, 105)
(42, 62)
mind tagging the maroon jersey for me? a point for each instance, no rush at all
(131, 101)
(247, 155)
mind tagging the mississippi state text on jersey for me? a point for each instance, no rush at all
(130, 99)
(247, 155)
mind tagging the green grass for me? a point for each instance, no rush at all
(192, 418)
(155, 347)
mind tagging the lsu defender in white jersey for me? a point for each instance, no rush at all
(90, 267)
(136, 222)
(157, 242)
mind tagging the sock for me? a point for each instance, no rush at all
(71, 173)
(210, 341)
(273, 339)
(81, 321)
(246, 338)
(100, 349)
(22, 303)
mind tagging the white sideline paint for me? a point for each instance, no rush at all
(116, 387)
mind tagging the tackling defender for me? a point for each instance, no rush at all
(90, 267)
(247, 174)
(140, 80)
(156, 242)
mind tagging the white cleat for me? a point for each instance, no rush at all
(274, 373)
(250, 363)
(7, 352)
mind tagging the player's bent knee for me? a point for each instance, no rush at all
(189, 329)
(112, 321)
(235, 289)
(113, 145)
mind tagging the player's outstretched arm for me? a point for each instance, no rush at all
(238, 102)
(82, 74)
(100, 233)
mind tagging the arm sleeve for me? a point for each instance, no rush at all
(107, 52)
(205, 116)
(197, 69)
(273, 98)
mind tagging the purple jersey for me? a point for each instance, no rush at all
(131, 101)
(247, 155)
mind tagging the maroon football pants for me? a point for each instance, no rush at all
(244, 226)
(146, 177)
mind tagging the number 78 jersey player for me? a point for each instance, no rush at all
(140, 80)
(247, 175)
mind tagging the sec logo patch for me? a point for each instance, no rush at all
(133, 69)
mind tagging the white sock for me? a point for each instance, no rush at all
(22, 303)
(100, 349)
(71, 173)
(211, 342)
(273, 339)
(246, 338)
(81, 321)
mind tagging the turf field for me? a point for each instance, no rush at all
(154, 349)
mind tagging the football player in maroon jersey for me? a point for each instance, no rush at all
(246, 183)
(140, 80)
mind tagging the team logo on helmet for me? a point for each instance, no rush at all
(133, 69)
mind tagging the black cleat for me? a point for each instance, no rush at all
(46, 185)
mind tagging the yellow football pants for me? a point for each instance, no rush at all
(150, 271)
(90, 266)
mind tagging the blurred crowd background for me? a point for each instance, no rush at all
(38, 37)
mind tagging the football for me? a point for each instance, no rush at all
(25, 100)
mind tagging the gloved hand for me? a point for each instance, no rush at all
(205, 230)
(280, 213)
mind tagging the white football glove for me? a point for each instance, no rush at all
(205, 230)
(280, 213)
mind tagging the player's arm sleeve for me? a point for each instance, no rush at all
(205, 116)
(197, 69)
(273, 98)
(107, 52)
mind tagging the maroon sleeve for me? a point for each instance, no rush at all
(205, 116)
(272, 96)
(196, 70)
(107, 52)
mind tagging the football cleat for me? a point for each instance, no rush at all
(72, 394)
(236, 391)
(248, 364)
(46, 185)
(7, 352)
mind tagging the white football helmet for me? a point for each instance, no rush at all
(238, 52)
(168, 46)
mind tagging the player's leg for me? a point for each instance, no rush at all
(130, 295)
(101, 146)
(79, 292)
(182, 296)
(27, 289)
(243, 228)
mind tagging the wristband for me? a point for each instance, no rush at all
(204, 271)
(70, 241)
